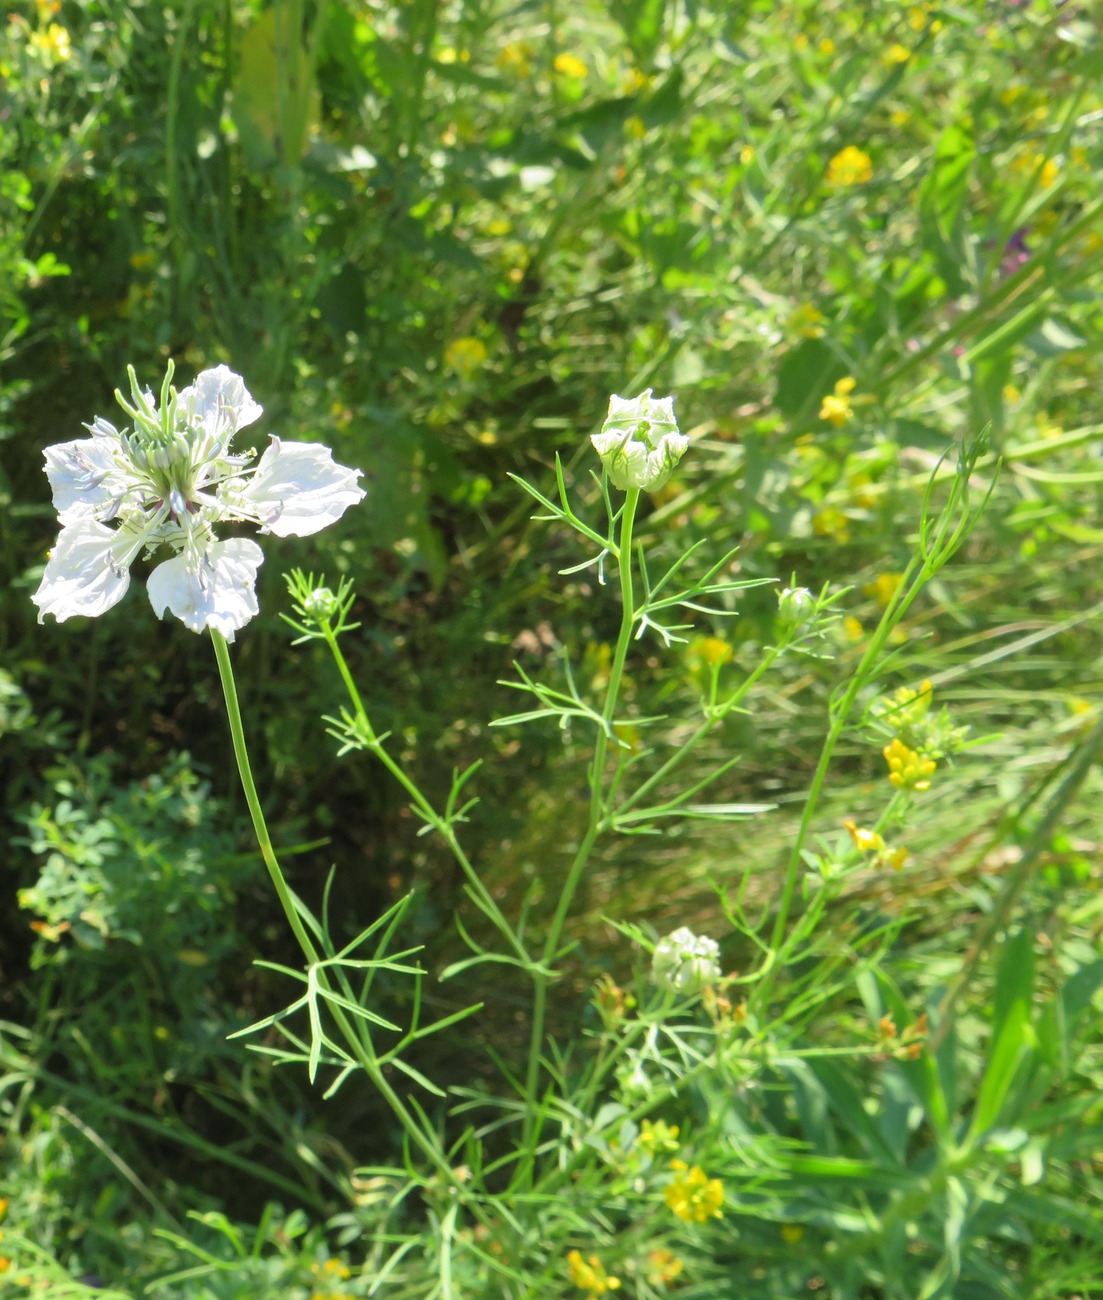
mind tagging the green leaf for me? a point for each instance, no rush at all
(1012, 1034)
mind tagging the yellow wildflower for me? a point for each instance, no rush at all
(792, 1233)
(663, 1267)
(865, 841)
(659, 1137)
(831, 522)
(850, 166)
(53, 44)
(853, 628)
(465, 356)
(515, 58)
(693, 1196)
(714, 651)
(1011, 393)
(836, 405)
(747, 155)
(806, 321)
(884, 587)
(589, 1274)
(900, 117)
(570, 66)
(827, 46)
(613, 1002)
(896, 858)
(908, 770)
(896, 54)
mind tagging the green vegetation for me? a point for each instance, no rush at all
(683, 887)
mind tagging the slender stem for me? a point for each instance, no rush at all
(358, 1042)
(598, 809)
(440, 824)
(260, 826)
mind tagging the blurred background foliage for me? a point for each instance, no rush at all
(436, 236)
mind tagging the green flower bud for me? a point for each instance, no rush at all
(684, 962)
(639, 443)
(795, 606)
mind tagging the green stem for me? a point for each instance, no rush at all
(260, 826)
(358, 1042)
(425, 809)
(598, 809)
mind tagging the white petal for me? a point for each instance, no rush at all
(87, 572)
(220, 595)
(298, 488)
(85, 477)
(220, 402)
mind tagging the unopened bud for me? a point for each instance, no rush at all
(639, 443)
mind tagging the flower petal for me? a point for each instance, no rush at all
(220, 594)
(220, 402)
(298, 488)
(86, 478)
(87, 572)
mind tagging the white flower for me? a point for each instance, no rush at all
(639, 443)
(168, 482)
(684, 962)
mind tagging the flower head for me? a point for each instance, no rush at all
(168, 481)
(850, 166)
(639, 443)
(692, 1195)
(836, 405)
(685, 962)
(663, 1267)
(908, 770)
(590, 1275)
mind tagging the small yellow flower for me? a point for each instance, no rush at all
(589, 1274)
(850, 166)
(836, 405)
(465, 356)
(827, 46)
(908, 770)
(658, 1138)
(693, 1196)
(570, 66)
(792, 1233)
(884, 587)
(53, 44)
(714, 651)
(896, 54)
(663, 1267)
(747, 155)
(852, 628)
(515, 58)
(634, 128)
(831, 522)
(900, 117)
(865, 841)
(806, 321)
(896, 858)
(1011, 393)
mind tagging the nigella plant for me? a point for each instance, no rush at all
(169, 481)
